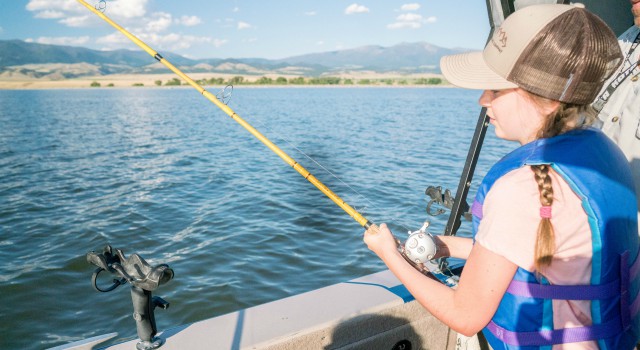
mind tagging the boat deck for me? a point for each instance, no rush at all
(371, 312)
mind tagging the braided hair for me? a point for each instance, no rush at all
(565, 118)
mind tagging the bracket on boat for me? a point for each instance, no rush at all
(443, 200)
(144, 279)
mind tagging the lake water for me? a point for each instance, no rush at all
(166, 174)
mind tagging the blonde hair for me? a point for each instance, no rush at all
(564, 118)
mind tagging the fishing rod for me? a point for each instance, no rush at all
(292, 162)
(420, 247)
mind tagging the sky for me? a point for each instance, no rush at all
(248, 28)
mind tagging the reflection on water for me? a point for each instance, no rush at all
(164, 173)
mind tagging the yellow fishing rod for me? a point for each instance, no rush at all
(420, 247)
(299, 168)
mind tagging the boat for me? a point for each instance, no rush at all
(371, 312)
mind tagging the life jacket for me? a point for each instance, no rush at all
(598, 173)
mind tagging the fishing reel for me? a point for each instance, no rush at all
(420, 250)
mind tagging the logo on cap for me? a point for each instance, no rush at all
(502, 37)
(499, 39)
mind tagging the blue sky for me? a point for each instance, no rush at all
(248, 28)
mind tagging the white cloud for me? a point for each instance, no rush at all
(164, 42)
(115, 8)
(236, 9)
(73, 14)
(409, 17)
(320, 43)
(219, 42)
(1, 30)
(410, 7)
(401, 25)
(410, 20)
(127, 8)
(75, 21)
(49, 14)
(54, 5)
(176, 42)
(355, 8)
(310, 13)
(61, 40)
(69, 10)
(243, 25)
(112, 40)
(189, 21)
(159, 22)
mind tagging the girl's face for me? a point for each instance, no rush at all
(513, 113)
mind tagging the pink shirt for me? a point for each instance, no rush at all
(511, 214)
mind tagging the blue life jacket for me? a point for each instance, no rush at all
(598, 173)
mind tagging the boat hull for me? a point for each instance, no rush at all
(371, 312)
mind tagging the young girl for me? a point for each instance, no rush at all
(553, 258)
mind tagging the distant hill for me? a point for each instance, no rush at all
(410, 57)
(19, 58)
(17, 52)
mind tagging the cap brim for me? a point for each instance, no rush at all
(469, 70)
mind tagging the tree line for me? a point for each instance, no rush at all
(240, 80)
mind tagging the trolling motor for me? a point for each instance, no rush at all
(144, 279)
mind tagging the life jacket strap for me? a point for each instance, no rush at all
(476, 209)
(576, 292)
(556, 336)
(618, 287)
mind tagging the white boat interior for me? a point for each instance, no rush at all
(371, 312)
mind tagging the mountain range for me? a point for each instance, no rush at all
(32, 60)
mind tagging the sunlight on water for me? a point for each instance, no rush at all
(163, 173)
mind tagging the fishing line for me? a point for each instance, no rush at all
(225, 108)
(370, 203)
(427, 266)
(222, 98)
(224, 95)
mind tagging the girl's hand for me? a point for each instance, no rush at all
(381, 241)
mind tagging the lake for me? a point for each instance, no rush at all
(164, 173)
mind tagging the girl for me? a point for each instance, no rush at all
(552, 261)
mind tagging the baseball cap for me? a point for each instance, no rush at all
(561, 52)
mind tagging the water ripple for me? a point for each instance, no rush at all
(160, 173)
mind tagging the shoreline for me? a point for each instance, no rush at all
(151, 81)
